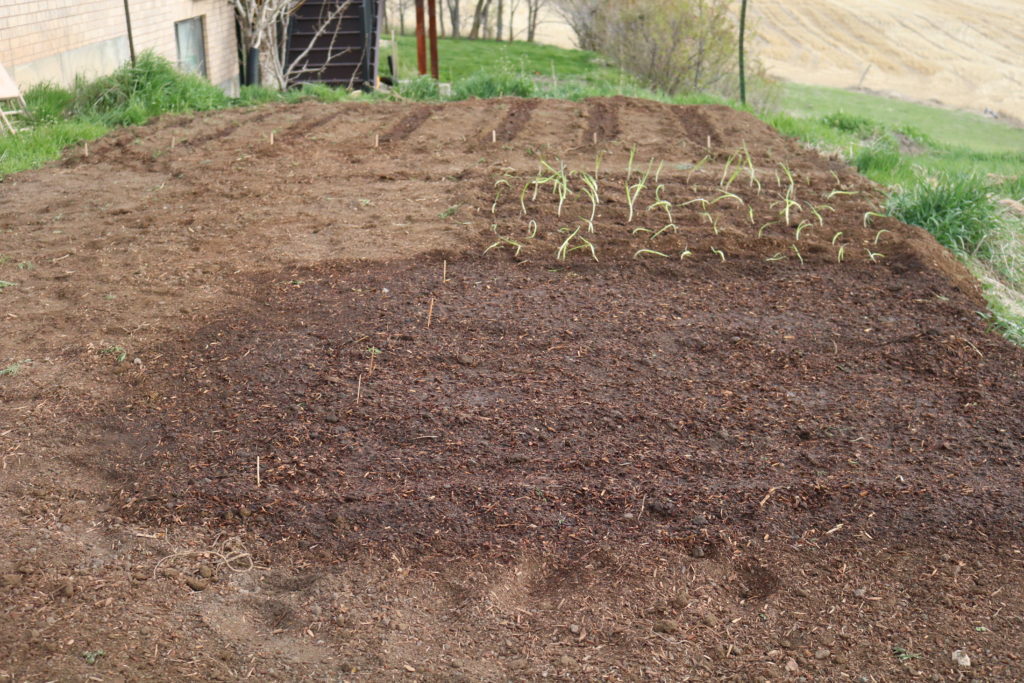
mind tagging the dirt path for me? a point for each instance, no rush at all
(277, 415)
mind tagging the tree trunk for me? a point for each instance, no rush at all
(478, 17)
(453, 14)
(743, 71)
(500, 20)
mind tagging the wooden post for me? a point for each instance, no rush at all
(432, 5)
(421, 47)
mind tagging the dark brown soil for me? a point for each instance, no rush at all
(278, 415)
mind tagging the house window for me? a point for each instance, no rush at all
(191, 45)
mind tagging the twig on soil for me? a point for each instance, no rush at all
(230, 552)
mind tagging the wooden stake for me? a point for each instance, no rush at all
(494, 136)
(359, 389)
(173, 140)
(430, 312)
(271, 138)
(595, 137)
(87, 149)
(376, 140)
(444, 271)
(258, 483)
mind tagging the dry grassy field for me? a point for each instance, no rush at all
(957, 54)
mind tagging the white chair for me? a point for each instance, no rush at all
(12, 104)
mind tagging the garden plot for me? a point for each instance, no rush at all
(496, 390)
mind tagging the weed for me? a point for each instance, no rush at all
(903, 654)
(13, 369)
(118, 352)
(452, 210)
(4, 284)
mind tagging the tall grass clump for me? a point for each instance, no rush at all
(488, 84)
(137, 92)
(956, 208)
(419, 88)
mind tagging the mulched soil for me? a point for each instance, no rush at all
(347, 439)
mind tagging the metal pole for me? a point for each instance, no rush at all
(131, 39)
(432, 5)
(743, 72)
(421, 47)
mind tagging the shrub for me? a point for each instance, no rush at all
(47, 103)
(850, 123)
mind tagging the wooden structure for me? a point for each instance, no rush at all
(344, 52)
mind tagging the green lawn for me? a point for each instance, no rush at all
(946, 127)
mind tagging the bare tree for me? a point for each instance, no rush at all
(533, 8)
(583, 18)
(499, 19)
(454, 15)
(262, 25)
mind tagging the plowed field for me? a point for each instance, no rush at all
(355, 392)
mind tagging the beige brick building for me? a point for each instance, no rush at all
(54, 40)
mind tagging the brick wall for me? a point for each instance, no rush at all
(55, 39)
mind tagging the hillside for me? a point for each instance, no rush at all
(954, 54)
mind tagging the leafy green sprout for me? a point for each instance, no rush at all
(750, 168)
(452, 210)
(565, 248)
(879, 234)
(4, 284)
(652, 252)
(590, 189)
(836, 236)
(797, 252)
(903, 654)
(841, 253)
(633, 190)
(697, 167)
(803, 226)
(837, 193)
(13, 369)
(778, 256)
(726, 195)
(719, 253)
(874, 256)
(871, 214)
(118, 352)
(560, 181)
(760, 231)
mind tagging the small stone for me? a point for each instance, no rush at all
(197, 584)
(860, 592)
(205, 571)
(791, 666)
(398, 626)
(628, 516)
(666, 626)
(140, 574)
(170, 573)
(697, 551)
(772, 654)
(67, 588)
(822, 653)
(961, 659)
(566, 660)
(700, 520)
(244, 512)
(709, 620)
(574, 629)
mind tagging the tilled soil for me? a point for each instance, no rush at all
(332, 407)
